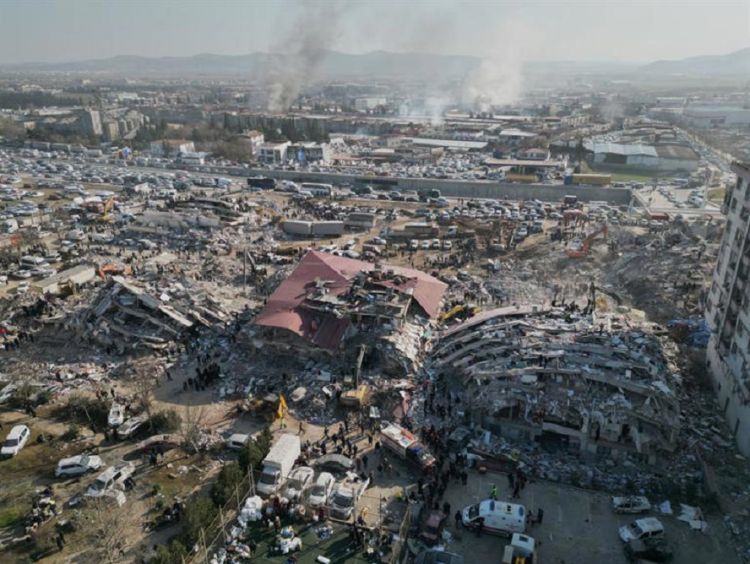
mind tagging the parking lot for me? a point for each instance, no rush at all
(578, 526)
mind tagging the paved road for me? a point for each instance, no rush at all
(579, 526)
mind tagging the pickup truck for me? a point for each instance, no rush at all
(345, 497)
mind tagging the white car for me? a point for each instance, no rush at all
(321, 490)
(130, 426)
(641, 529)
(116, 415)
(112, 478)
(15, 441)
(238, 441)
(298, 481)
(77, 465)
(447, 245)
(630, 504)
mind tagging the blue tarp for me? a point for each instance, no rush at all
(699, 332)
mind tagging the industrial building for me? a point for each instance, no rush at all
(661, 158)
(273, 153)
(728, 312)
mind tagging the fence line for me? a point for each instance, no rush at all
(217, 529)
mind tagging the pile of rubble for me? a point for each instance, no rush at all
(593, 382)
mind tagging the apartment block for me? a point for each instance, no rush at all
(728, 312)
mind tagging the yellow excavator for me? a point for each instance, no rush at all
(106, 217)
(460, 310)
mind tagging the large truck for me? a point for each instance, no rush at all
(278, 463)
(406, 446)
(261, 182)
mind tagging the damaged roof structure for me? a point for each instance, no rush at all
(548, 374)
(327, 295)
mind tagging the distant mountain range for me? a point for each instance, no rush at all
(736, 63)
(327, 65)
(324, 65)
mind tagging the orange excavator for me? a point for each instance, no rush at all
(583, 250)
(113, 268)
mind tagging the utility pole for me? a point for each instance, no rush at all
(362, 349)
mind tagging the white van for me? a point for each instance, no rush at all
(15, 441)
(500, 517)
(238, 441)
(32, 261)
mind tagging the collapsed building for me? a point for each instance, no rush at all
(329, 301)
(598, 387)
(126, 314)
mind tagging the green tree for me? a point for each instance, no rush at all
(256, 450)
(11, 129)
(199, 512)
(172, 553)
(226, 484)
(251, 455)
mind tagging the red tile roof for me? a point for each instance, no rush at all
(285, 308)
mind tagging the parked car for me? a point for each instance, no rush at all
(646, 528)
(15, 441)
(116, 415)
(630, 504)
(112, 478)
(652, 550)
(130, 426)
(77, 465)
(238, 441)
(432, 527)
(335, 462)
(345, 497)
(321, 490)
(298, 481)
(437, 556)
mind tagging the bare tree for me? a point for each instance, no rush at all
(106, 528)
(144, 383)
(193, 426)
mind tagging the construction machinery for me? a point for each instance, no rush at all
(113, 268)
(583, 250)
(106, 217)
(461, 311)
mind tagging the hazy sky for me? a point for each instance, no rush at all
(623, 30)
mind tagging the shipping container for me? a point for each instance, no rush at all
(294, 227)
(328, 228)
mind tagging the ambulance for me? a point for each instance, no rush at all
(500, 517)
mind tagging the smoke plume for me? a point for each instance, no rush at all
(496, 81)
(315, 30)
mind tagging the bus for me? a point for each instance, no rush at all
(317, 189)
